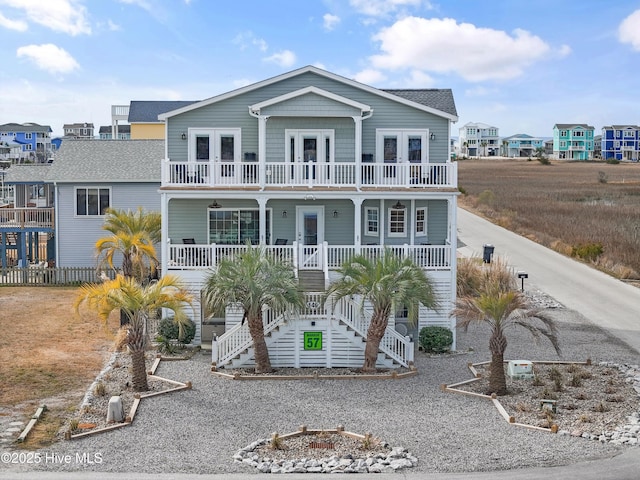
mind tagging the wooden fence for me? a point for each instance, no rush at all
(45, 276)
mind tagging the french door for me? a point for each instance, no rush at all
(307, 148)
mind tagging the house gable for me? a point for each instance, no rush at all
(301, 102)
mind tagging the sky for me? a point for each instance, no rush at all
(520, 66)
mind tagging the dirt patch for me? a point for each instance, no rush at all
(48, 353)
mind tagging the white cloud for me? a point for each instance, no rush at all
(444, 46)
(629, 30)
(285, 58)
(49, 57)
(330, 21)
(245, 39)
(67, 16)
(369, 76)
(564, 51)
(17, 25)
(479, 91)
(380, 8)
(114, 27)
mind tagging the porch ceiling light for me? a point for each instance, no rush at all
(215, 204)
(398, 206)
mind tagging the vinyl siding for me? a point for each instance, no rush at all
(76, 236)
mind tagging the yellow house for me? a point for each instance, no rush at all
(143, 117)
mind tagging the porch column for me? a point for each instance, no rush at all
(164, 233)
(262, 157)
(357, 222)
(262, 206)
(453, 243)
(358, 150)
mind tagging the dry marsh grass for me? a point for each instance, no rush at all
(565, 206)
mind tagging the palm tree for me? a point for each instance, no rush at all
(133, 235)
(502, 309)
(252, 280)
(140, 302)
(387, 283)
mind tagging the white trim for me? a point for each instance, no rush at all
(299, 134)
(422, 233)
(300, 71)
(214, 135)
(368, 232)
(402, 136)
(255, 108)
(93, 187)
(404, 223)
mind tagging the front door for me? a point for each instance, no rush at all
(310, 228)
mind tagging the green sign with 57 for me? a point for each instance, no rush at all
(313, 340)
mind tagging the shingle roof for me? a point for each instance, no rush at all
(124, 128)
(438, 98)
(118, 161)
(27, 174)
(572, 125)
(147, 111)
(26, 127)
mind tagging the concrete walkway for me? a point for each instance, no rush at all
(609, 303)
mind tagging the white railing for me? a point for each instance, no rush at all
(197, 257)
(332, 174)
(237, 340)
(392, 344)
(322, 257)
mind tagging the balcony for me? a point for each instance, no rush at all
(26, 218)
(311, 257)
(308, 175)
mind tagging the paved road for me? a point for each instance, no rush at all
(607, 302)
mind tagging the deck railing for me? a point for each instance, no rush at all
(27, 217)
(36, 275)
(330, 174)
(198, 257)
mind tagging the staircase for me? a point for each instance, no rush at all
(311, 280)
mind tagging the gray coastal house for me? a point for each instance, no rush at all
(315, 167)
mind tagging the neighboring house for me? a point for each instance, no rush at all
(315, 167)
(78, 131)
(92, 175)
(26, 216)
(123, 133)
(32, 141)
(521, 145)
(548, 147)
(597, 146)
(56, 211)
(621, 142)
(479, 140)
(573, 141)
(143, 117)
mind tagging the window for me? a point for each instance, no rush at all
(397, 222)
(28, 136)
(92, 201)
(578, 133)
(236, 226)
(371, 219)
(421, 222)
(563, 133)
(629, 133)
(563, 144)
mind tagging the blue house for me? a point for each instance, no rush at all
(34, 139)
(521, 145)
(621, 142)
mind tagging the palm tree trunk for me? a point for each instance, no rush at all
(376, 330)
(497, 380)
(256, 329)
(136, 342)
(139, 367)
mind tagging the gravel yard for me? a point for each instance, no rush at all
(199, 430)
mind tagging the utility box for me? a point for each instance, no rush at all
(520, 369)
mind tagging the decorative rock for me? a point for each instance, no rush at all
(115, 411)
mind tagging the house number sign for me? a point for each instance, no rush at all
(313, 340)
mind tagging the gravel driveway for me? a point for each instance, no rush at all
(198, 431)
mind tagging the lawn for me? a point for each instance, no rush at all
(587, 209)
(48, 354)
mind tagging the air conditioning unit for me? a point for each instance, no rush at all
(520, 369)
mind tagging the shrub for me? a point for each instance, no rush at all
(587, 251)
(165, 346)
(612, 161)
(602, 177)
(435, 339)
(169, 330)
(487, 197)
